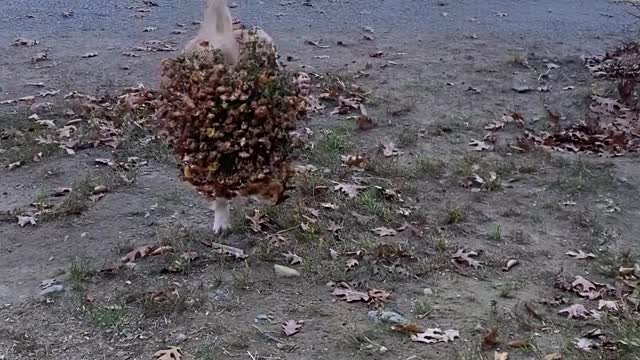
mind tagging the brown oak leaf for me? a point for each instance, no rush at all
(490, 339)
(464, 256)
(292, 327)
(435, 335)
(171, 353)
(351, 295)
(575, 311)
(137, 253)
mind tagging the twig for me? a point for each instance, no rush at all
(268, 335)
(224, 351)
(251, 356)
(425, 314)
(287, 230)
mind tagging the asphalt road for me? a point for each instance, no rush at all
(571, 22)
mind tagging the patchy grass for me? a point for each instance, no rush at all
(112, 316)
(583, 176)
(427, 166)
(80, 273)
(455, 214)
(495, 234)
(328, 148)
(408, 137)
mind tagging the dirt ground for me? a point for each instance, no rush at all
(430, 95)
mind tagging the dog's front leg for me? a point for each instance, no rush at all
(222, 215)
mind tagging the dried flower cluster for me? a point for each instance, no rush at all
(621, 64)
(230, 125)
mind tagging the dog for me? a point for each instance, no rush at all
(219, 31)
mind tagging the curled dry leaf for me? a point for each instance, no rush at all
(511, 263)
(171, 353)
(575, 311)
(330, 206)
(464, 256)
(379, 295)
(490, 339)
(137, 253)
(582, 285)
(162, 250)
(292, 327)
(384, 231)
(585, 344)
(354, 160)
(579, 255)
(435, 335)
(150, 29)
(292, 258)
(501, 356)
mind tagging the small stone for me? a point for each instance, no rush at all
(427, 291)
(262, 317)
(386, 317)
(383, 349)
(52, 290)
(521, 88)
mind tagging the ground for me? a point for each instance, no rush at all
(447, 71)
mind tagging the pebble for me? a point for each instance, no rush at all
(386, 317)
(285, 272)
(179, 338)
(427, 291)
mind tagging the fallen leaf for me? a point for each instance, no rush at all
(162, 250)
(352, 263)
(27, 98)
(137, 253)
(47, 123)
(465, 256)
(362, 219)
(22, 41)
(585, 344)
(333, 254)
(575, 311)
(350, 295)
(130, 54)
(365, 123)
(39, 57)
(607, 304)
(384, 231)
(435, 335)
(582, 285)
(354, 160)
(379, 296)
(316, 44)
(49, 93)
(511, 263)
(150, 29)
(89, 55)
(172, 353)
(390, 149)
(292, 258)
(14, 165)
(292, 327)
(579, 255)
(329, 206)
(26, 220)
(351, 190)
(490, 339)
(407, 329)
(237, 254)
(495, 125)
(501, 356)
(479, 145)
(522, 343)
(377, 54)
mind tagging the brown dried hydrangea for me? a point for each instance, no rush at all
(229, 126)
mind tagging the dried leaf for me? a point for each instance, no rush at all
(22, 41)
(522, 343)
(407, 329)
(384, 231)
(607, 304)
(585, 344)
(351, 190)
(479, 145)
(465, 256)
(237, 254)
(90, 55)
(490, 340)
(351, 295)
(316, 44)
(292, 327)
(511, 263)
(435, 335)
(352, 263)
(501, 356)
(171, 353)
(26, 220)
(580, 254)
(150, 29)
(582, 285)
(575, 311)
(553, 356)
(390, 149)
(354, 160)
(292, 258)
(137, 253)
(162, 250)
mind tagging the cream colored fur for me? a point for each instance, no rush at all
(217, 31)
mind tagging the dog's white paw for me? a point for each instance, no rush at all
(221, 216)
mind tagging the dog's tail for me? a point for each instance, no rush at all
(217, 19)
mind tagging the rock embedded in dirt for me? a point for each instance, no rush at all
(179, 338)
(386, 317)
